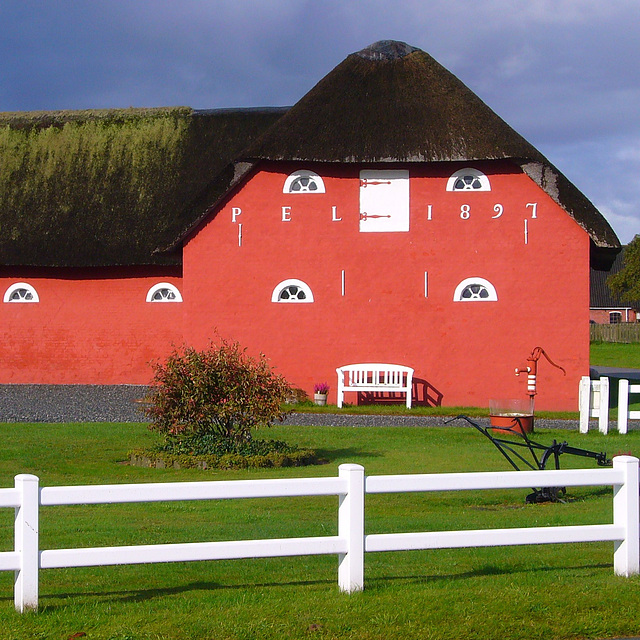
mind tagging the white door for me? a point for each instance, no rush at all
(384, 200)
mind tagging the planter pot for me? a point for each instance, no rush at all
(503, 414)
(320, 399)
(508, 423)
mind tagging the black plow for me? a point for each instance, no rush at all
(517, 450)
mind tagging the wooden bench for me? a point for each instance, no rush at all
(374, 377)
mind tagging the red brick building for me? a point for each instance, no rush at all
(606, 307)
(388, 216)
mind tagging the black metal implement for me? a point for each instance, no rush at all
(540, 455)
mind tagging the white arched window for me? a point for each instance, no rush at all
(475, 290)
(21, 292)
(164, 292)
(303, 181)
(468, 179)
(292, 290)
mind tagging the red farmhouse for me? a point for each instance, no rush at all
(389, 216)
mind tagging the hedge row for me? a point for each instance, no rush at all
(162, 460)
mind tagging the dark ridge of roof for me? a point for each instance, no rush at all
(601, 294)
(394, 103)
(107, 187)
(386, 50)
(246, 111)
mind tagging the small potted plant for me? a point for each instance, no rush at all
(320, 391)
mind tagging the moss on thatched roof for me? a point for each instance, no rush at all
(392, 102)
(108, 187)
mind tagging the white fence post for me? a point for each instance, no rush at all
(584, 401)
(603, 416)
(593, 399)
(351, 529)
(623, 405)
(626, 512)
(25, 592)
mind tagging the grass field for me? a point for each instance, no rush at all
(615, 354)
(546, 592)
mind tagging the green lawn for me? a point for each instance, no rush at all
(615, 354)
(546, 592)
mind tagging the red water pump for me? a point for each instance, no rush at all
(531, 369)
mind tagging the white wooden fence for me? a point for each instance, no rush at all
(350, 544)
(594, 403)
(593, 398)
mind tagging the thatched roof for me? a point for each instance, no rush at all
(119, 187)
(108, 187)
(392, 102)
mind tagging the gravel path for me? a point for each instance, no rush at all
(345, 420)
(120, 403)
(70, 403)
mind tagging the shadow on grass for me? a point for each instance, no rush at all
(142, 595)
(486, 570)
(334, 455)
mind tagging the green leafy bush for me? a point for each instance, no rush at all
(219, 393)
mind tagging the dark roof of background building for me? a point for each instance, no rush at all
(121, 187)
(601, 295)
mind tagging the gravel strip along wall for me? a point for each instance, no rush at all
(346, 420)
(71, 403)
(120, 403)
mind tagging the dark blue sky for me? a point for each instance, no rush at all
(564, 73)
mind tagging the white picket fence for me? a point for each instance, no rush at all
(594, 403)
(351, 543)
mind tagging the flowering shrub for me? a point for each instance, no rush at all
(219, 391)
(321, 387)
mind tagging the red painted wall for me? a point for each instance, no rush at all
(465, 351)
(90, 327)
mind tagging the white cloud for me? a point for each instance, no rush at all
(629, 153)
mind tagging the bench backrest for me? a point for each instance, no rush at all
(376, 374)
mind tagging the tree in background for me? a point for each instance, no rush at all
(626, 283)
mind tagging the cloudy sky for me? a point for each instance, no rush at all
(563, 73)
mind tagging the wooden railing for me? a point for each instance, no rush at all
(625, 332)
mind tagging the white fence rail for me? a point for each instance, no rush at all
(349, 545)
(594, 403)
